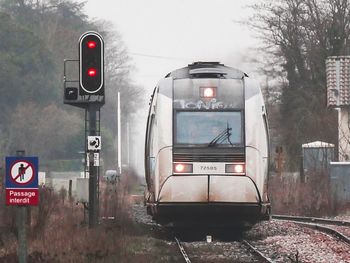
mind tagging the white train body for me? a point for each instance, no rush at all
(206, 154)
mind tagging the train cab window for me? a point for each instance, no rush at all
(209, 128)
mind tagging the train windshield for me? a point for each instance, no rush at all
(205, 127)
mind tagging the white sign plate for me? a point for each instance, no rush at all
(96, 159)
(94, 143)
(208, 168)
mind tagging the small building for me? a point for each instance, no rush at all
(317, 155)
(340, 183)
(65, 180)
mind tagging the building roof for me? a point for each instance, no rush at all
(317, 144)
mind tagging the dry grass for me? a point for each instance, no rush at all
(58, 231)
(289, 195)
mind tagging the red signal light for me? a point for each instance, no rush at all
(92, 72)
(91, 44)
(91, 64)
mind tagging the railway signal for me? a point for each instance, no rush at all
(91, 64)
(87, 92)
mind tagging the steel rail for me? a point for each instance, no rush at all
(321, 228)
(257, 252)
(312, 220)
(182, 250)
(328, 230)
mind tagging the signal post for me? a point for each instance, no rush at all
(88, 93)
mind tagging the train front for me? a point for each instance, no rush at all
(215, 170)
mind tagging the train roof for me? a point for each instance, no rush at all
(207, 70)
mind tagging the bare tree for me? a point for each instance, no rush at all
(42, 131)
(299, 35)
(118, 66)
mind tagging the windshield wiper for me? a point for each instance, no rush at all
(221, 137)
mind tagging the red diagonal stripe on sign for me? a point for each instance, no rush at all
(25, 168)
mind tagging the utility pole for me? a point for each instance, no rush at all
(21, 226)
(119, 136)
(93, 170)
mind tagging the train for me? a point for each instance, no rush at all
(207, 148)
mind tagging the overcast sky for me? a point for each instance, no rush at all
(163, 35)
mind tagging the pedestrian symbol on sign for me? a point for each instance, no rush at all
(22, 172)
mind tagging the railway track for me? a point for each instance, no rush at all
(245, 248)
(182, 250)
(259, 255)
(312, 220)
(319, 224)
(289, 242)
(257, 252)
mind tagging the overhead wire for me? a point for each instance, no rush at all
(158, 57)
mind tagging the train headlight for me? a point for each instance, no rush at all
(236, 168)
(183, 168)
(207, 92)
